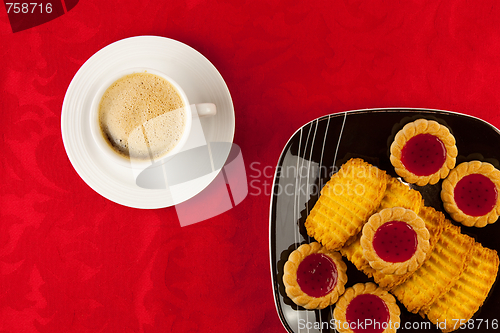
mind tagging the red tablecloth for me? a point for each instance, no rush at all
(73, 261)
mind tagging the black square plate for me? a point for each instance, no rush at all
(317, 150)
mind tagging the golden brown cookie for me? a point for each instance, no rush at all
(399, 194)
(459, 304)
(368, 305)
(423, 152)
(470, 194)
(395, 241)
(434, 222)
(439, 272)
(314, 277)
(346, 202)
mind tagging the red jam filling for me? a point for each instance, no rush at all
(317, 275)
(423, 155)
(395, 241)
(369, 312)
(475, 195)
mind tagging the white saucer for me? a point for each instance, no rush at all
(201, 82)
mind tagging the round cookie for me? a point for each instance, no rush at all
(395, 241)
(368, 305)
(314, 277)
(423, 152)
(470, 194)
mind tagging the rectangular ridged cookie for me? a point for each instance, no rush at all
(468, 293)
(434, 222)
(439, 272)
(346, 202)
(354, 253)
(398, 194)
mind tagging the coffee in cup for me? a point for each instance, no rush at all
(142, 116)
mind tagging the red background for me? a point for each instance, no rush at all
(72, 261)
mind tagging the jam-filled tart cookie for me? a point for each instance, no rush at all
(423, 152)
(395, 241)
(365, 307)
(470, 194)
(314, 277)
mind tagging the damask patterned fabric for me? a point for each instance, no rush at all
(73, 261)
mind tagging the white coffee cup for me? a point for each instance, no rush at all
(190, 111)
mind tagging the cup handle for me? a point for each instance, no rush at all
(205, 109)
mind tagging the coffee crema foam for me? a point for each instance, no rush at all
(142, 116)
